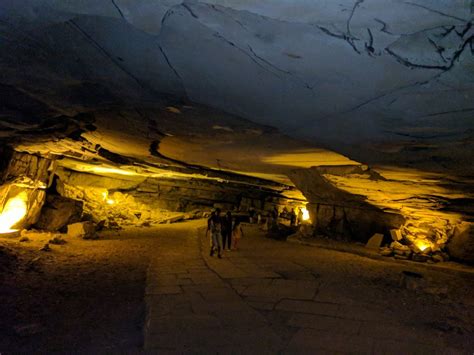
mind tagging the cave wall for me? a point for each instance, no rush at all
(29, 174)
(337, 213)
(139, 200)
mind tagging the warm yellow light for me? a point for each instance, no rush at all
(13, 212)
(422, 245)
(105, 197)
(305, 214)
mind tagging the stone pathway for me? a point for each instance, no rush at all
(274, 297)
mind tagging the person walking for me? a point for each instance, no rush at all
(251, 215)
(299, 219)
(227, 231)
(237, 234)
(292, 217)
(215, 227)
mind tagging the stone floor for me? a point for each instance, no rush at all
(276, 297)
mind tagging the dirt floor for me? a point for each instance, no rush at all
(89, 296)
(83, 296)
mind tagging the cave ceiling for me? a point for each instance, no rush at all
(254, 87)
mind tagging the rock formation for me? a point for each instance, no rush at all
(146, 111)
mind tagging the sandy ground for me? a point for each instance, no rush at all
(83, 296)
(89, 296)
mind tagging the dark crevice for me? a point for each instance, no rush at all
(433, 136)
(466, 29)
(342, 36)
(378, 97)
(215, 8)
(166, 15)
(447, 31)
(118, 9)
(369, 47)
(444, 68)
(252, 58)
(438, 49)
(113, 157)
(267, 62)
(186, 6)
(354, 8)
(409, 64)
(449, 112)
(104, 52)
(435, 11)
(170, 65)
(384, 28)
(181, 166)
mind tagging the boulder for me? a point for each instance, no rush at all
(375, 241)
(461, 245)
(58, 212)
(84, 230)
(396, 235)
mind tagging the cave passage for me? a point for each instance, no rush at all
(234, 176)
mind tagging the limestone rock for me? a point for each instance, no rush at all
(420, 257)
(399, 246)
(84, 230)
(396, 235)
(58, 212)
(375, 241)
(46, 247)
(461, 245)
(57, 240)
(386, 251)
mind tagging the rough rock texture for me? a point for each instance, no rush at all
(461, 245)
(84, 230)
(37, 168)
(132, 89)
(26, 177)
(58, 212)
(146, 200)
(382, 86)
(337, 213)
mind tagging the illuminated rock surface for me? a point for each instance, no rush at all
(137, 90)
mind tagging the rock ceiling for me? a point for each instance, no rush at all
(147, 82)
(383, 81)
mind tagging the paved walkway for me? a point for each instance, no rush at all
(276, 297)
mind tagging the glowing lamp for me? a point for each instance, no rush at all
(13, 212)
(422, 245)
(105, 197)
(305, 214)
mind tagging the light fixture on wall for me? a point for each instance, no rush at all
(14, 211)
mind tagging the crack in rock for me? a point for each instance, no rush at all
(439, 49)
(104, 52)
(406, 62)
(384, 28)
(342, 36)
(435, 11)
(118, 9)
(369, 47)
(170, 65)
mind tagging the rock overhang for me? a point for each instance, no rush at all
(382, 87)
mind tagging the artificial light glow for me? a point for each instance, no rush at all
(13, 212)
(422, 245)
(305, 214)
(105, 197)
(107, 170)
